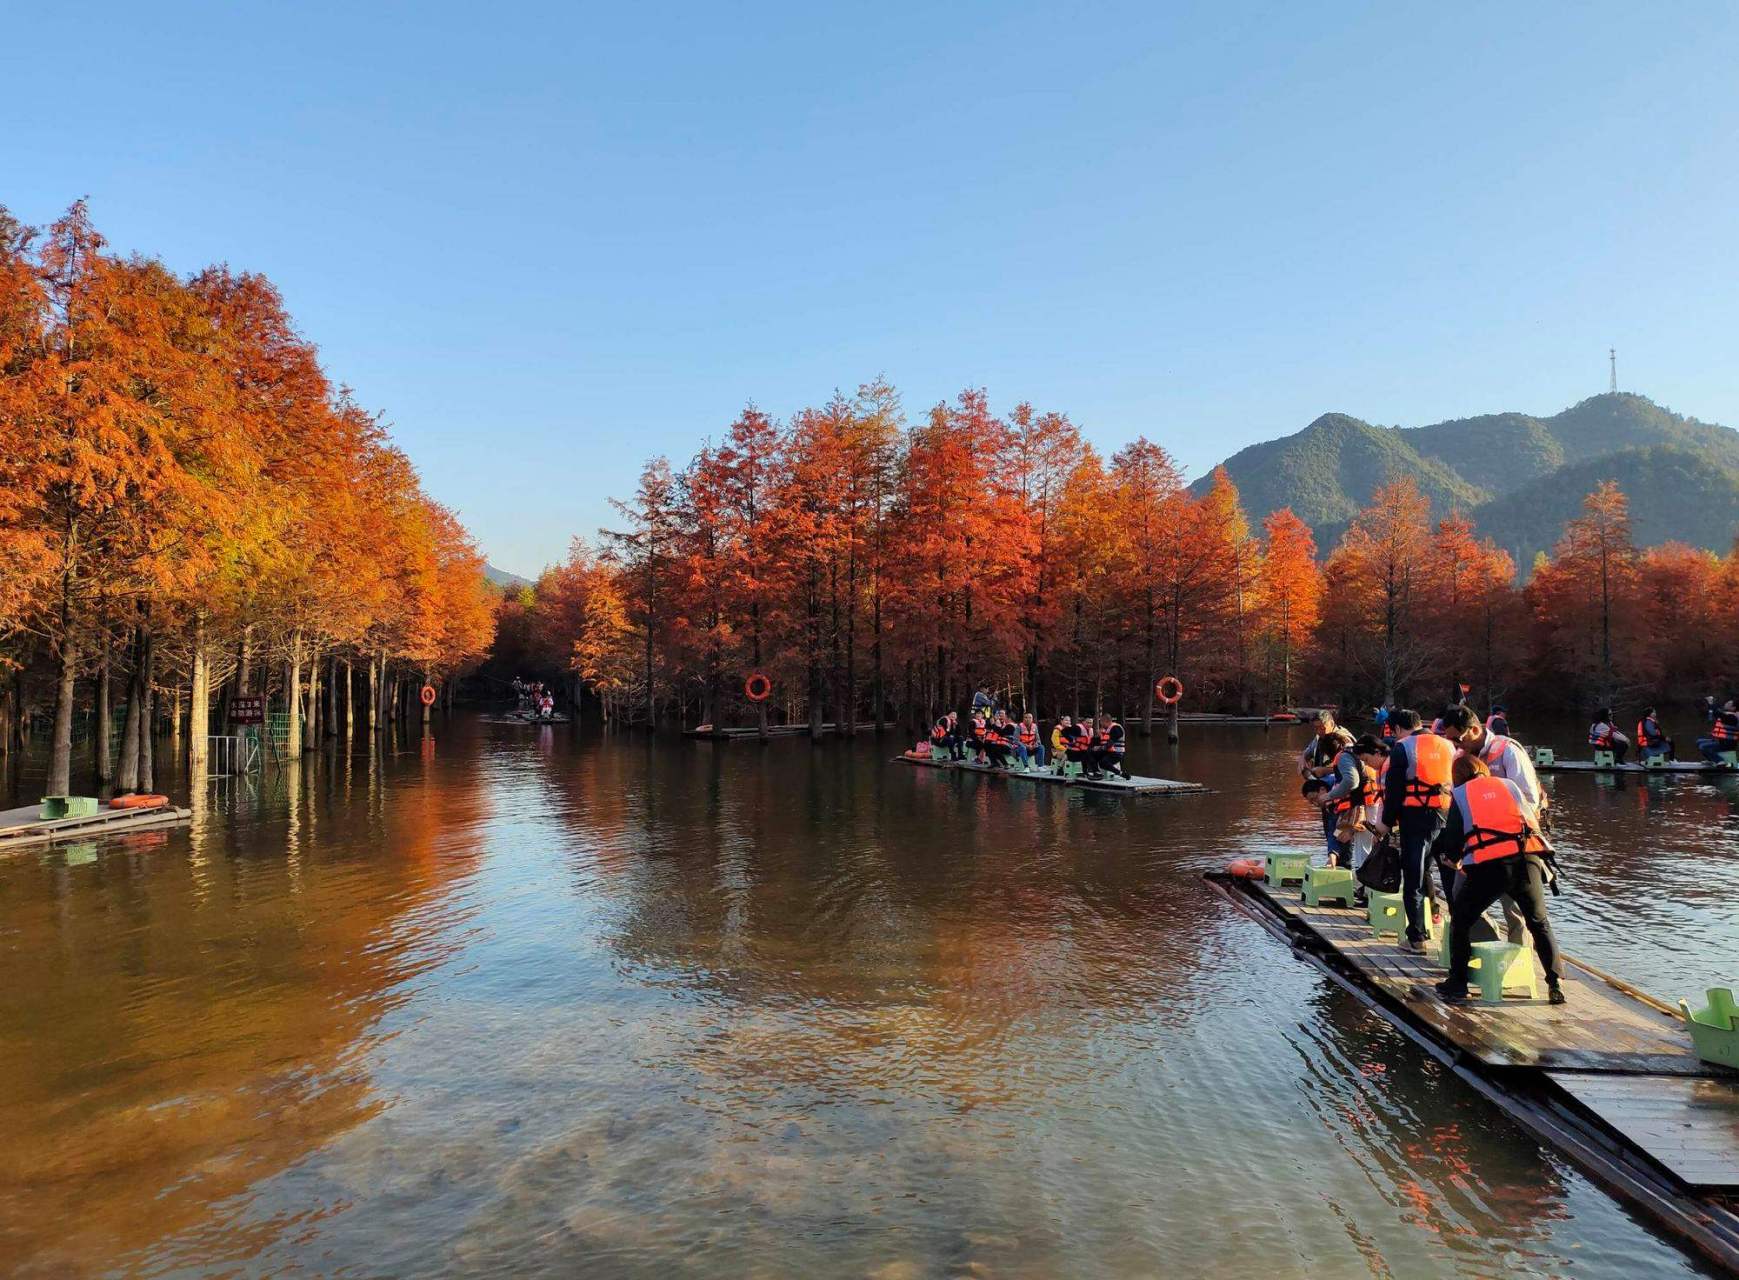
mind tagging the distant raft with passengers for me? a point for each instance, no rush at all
(1656, 752)
(1088, 755)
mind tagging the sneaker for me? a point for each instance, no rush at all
(1554, 993)
(1415, 945)
(1451, 992)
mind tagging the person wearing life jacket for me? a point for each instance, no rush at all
(1080, 749)
(1651, 740)
(1723, 734)
(1354, 787)
(1029, 749)
(1415, 799)
(980, 732)
(1498, 722)
(1318, 762)
(1062, 733)
(1493, 836)
(1108, 749)
(996, 742)
(1604, 735)
(1505, 758)
(944, 742)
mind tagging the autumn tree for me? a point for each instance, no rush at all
(1289, 590)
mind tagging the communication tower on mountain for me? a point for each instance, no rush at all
(1612, 359)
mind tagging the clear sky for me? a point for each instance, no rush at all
(550, 240)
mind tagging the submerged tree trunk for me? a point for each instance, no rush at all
(349, 703)
(199, 702)
(60, 754)
(293, 697)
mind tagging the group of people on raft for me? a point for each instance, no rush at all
(1651, 743)
(1460, 794)
(996, 739)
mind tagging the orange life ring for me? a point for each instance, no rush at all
(1247, 868)
(757, 688)
(138, 802)
(1172, 683)
(428, 695)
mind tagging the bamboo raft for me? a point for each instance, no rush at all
(24, 828)
(1134, 786)
(1609, 1078)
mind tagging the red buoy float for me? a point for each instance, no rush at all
(428, 695)
(1169, 690)
(757, 688)
(138, 802)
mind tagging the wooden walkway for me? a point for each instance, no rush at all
(1609, 1077)
(734, 734)
(1137, 785)
(23, 828)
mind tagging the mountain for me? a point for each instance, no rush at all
(1518, 476)
(505, 580)
(1676, 495)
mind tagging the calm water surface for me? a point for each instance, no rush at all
(526, 1002)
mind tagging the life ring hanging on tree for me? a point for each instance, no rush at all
(1169, 690)
(757, 688)
(428, 695)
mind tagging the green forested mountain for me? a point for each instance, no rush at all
(1518, 476)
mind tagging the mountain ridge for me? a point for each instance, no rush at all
(1518, 476)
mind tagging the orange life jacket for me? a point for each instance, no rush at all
(978, 730)
(1599, 736)
(1647, 737)
(1494, 824)
(1029, 735)
(1114, 745)
(1725, 727)
(1369, 792)
(1429, 760)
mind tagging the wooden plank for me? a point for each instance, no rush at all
(109, 822)
(1674, 766)
(1690, 1126)
(1601, 1028)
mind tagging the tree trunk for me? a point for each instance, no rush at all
(373, 697)
(293, 698)
(198, 703)
(128, 777)
(60, 753)
(100, 732)
(349, 703)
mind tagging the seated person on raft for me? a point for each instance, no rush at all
(1603, 735)
(1029, 749)
(1723, 736)
(1107, 749)
(1651, 741)
(1492, 836)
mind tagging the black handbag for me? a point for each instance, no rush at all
(1381, 870)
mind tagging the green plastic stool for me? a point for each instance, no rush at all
(1329, 883)
(1387, 913)
(1730, 759)
(1544, 755)
(1286, 868)
(1715, 1029)
(1656, 759)
(1604, 759)
(54, 807)
(1503, 966)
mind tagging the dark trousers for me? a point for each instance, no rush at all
(1417, 829)
(1524, 880)
(998, 754)
(1712, 748)
(1107, 762)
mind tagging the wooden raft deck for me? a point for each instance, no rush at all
(1610, 1077)
(1134, 786)
(22, 828)
(1672, 766)
(734, 734)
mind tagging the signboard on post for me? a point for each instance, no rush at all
(247, 710)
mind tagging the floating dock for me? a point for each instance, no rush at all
(709, 733)
(1610, 1078)
(1137, 786)
(515, 717)
(25, 828)
(1671, 766)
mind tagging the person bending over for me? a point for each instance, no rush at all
(1493, 835)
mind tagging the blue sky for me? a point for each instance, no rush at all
(548, 241)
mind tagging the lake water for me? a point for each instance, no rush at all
(530, 1002)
